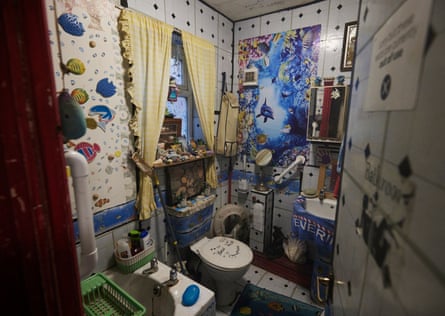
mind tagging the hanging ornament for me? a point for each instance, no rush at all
(71, 116)
(172, 90)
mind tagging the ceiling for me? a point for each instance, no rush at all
(237, 10)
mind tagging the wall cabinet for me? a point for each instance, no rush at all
(171, 130)
(327, 112)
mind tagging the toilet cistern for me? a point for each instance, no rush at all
(300, 160)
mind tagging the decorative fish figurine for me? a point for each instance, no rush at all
(105, 88)
(74, 66)
(105, 115)
(71, 117)
(70, 24)
(88, 150)
(80, 95)
(266, 111)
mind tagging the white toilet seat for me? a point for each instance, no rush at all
(223, 213)
(223, 253)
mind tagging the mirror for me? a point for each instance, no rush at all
(262, 159)
(326, 114)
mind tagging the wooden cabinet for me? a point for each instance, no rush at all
(171, 130)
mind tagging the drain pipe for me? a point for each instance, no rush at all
(88, 249)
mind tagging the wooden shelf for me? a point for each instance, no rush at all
(197, 158)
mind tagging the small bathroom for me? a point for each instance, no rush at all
(223, 157)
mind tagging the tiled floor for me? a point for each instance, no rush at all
(270, 281)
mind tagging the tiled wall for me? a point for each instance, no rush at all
(397, 266)
(191, 16)
(332, 15)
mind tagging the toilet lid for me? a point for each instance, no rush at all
(226, 253)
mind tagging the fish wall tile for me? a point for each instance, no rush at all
(94, 77)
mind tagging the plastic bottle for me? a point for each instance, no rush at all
(145, 239)
(135, 241)
(123, 248)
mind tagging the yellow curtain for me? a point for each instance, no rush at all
(201, 60)
(147, 48)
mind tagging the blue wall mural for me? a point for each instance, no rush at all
(274, 114)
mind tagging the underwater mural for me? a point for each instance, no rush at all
(273, 114)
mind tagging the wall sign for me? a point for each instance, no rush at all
(397, 57)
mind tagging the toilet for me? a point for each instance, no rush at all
(224, 258)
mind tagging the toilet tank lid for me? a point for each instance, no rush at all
(226, 253)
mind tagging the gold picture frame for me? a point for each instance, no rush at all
(348, 51)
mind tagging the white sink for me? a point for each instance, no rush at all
(324, 209)
(169, 302)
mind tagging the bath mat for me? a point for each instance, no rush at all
(259, 301)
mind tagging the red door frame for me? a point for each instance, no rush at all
(38, 256)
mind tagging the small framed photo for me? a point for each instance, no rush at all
(348, 51)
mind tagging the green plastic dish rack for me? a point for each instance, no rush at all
(103, 297)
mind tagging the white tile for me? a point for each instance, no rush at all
(310, 178)
(253, 275)
(105, 250)
(246, 29)
(277, 284)
(181, 14)
(152, 8)
(206, 22)
(275, 23)
(283, 219)
(224, 65)
(376, 12)
(311, 15)
(424, 225)
(302, 294)
(225, 33)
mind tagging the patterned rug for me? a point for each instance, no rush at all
(258, 301)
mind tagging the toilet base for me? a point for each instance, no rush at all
(225, 293)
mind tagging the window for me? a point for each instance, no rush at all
(183, 107)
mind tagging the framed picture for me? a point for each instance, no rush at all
(184, 180)
(348, 52)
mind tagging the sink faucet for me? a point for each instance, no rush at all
(321, 195)
(153, 267)
(172, 281)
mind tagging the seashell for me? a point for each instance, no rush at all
(91, 123)
(80, 95)
(75, 66)
(70, 24)
(105, 88)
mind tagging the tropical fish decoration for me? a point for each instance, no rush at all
(71, 116)
(105, 88)
(105, 114)
(89, 151)
(266, 111)
(80, 95)
(74, 66)
(70, 23)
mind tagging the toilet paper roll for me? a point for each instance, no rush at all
(258, 216)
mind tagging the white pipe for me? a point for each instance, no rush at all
(88, 249)
(299, 161)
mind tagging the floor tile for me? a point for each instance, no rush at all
(302, 294)
(277, 284)
(253, 275)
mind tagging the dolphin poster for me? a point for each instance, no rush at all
(273, 114)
